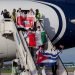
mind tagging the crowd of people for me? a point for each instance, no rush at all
(25, 19)
(37, 39)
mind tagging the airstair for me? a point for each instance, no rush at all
(61, 68)
(23, 54)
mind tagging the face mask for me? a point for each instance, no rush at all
(53, 49)
(19, 10)
(38, 29)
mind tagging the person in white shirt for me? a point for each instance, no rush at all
(54, 57)
(38, 37)
(30, 19)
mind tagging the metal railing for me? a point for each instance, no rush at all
(25, 56)
(61, 71)
(30, 61)
(23, 52)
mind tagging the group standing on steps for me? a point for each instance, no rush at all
(37, 39)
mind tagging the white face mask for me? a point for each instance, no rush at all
(38, 29)
(53, 48)
(19, 10)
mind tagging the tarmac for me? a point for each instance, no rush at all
(5, 74)
(70, 73)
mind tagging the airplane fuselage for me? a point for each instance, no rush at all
(55, 21)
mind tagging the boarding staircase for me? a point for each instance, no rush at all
(22, 51)
(61, 68)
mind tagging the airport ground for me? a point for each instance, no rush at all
(5, 74)
(70, 73)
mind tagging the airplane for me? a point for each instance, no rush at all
(56, 15)
(66, 6)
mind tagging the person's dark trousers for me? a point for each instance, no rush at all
(35, 27)
(31, 51)
(54, 69)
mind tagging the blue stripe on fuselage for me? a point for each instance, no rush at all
(60, 22)
(68, 39)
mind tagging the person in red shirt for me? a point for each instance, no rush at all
(32, 38)
(20, 18)
(30, 19)
(31, 41)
